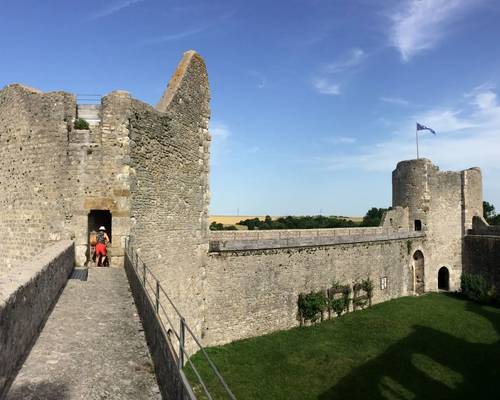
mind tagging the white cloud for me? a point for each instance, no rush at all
(419, 25)
(113, 8)
(395, 100)
(325, 86)
(466, 137)
(352, 59)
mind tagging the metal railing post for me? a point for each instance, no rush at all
(157, 296)
(182, 335)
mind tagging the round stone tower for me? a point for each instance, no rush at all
(410, 188)
(442, 205)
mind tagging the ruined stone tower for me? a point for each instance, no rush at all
(139, 170)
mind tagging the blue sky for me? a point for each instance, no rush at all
(313, 101)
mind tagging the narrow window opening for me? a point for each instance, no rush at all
(418, 225)
(383, 283)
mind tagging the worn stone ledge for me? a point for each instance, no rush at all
(26, 296)
(313, 241)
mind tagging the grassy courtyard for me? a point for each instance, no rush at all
(437, 346)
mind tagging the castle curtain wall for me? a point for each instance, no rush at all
(254, 292)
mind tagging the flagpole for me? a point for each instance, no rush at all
(416, 137)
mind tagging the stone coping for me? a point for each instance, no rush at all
(24, 273)
(264, 244)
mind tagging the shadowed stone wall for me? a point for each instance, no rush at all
(482, 251)
(26, 296)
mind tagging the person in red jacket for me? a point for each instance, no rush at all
(100, 247)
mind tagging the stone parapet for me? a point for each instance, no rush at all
(26, 297)
(255, 240)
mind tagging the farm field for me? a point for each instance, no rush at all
(436, 346)
(234, 219)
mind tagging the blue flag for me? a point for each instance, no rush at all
(421, 127)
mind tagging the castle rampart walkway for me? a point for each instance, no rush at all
(92, 346)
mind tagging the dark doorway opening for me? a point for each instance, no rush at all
(96, 219)
(443, 279)
(418, 225)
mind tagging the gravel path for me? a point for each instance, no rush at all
(92, 346)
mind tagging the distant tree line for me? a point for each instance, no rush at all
(217, 226)
(372, 218)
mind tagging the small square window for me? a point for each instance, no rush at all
(383, 283)
(418, 225)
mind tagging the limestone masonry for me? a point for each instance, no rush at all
(143, 172)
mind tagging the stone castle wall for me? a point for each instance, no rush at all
(482, 251)
(36, 186)
(169, 205)
(254, 292)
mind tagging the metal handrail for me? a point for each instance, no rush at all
(94, 99)
(183, 355)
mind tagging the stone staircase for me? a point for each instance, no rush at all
(89, 112)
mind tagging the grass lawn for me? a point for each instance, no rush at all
(436, 346)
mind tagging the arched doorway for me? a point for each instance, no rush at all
(418, 267)
(443, 279)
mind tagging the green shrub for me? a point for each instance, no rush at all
(477, 288)
(80, 123)
(367, 286)
(312, 305)
(340, 304)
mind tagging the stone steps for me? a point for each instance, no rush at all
(89, 112)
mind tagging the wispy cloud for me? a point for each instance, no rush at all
(341, 140)
(352, 59)
(176, 36)
(113, 8)
(466, 136)
(419, 25)
(324, 86)
(326, 81)
(395, 100)
(187, 33)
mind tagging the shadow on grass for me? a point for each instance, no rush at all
(428, 364)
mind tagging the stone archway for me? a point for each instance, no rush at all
(443, 279)
(418, 268)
